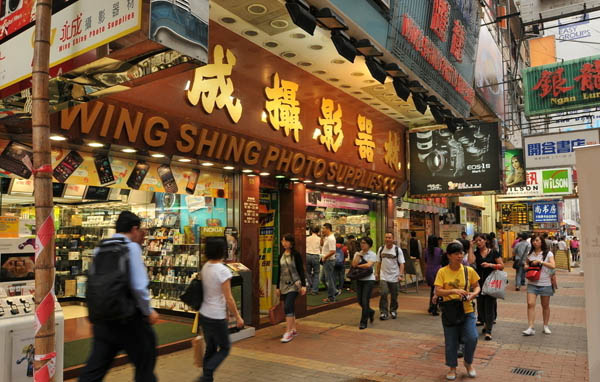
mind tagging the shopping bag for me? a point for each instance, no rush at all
(276, 314)
(495, 284)
(198, 346)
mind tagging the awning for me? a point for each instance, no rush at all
(571, 222)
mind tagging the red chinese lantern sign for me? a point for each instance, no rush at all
(570, 85)
(440, 18)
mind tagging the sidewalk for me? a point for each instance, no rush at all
(411, 348)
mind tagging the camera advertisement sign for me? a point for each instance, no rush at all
(555, 181)
(467, 161)
(545, 212)
(553, 150)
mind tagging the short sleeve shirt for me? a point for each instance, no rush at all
(390, 270)
(368, 257)
(328, 246)
(213, 303)
(448, 279)
(546, 275)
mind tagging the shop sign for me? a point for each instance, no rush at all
(78, 28)
(436, 40)
(545, 212)
(466, 162)
(553, 150)
(515, 213)
(555, 181)
(489, 76)
(320, 199)
(558, 87)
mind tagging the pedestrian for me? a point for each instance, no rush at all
(341, 252)
(365, 259)
(463, 235)
(540, 256)
(328, 259)
(574, 244)
(487, 260)
(291, 283)
(451, 284)
(134, 333)
(416, 251)
(353, 246)
(562, 246)
(520, 252)
(495, 244)
(313, 259)
(217, 300)
(389, 272)
(433, 259)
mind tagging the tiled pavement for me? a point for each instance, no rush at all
(331, 348)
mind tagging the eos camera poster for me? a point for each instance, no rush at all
(464, 162)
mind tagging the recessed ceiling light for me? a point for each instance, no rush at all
(228, 20)
(359, 190)
(338, 61)
(185, 160)
(357, 92)
(307, 181)
(252, 175)
(333, 79)
(350, 188)
(95, 144)
(207, 164)
(228, 168)
(340, 187)
(357, 74)
(369, 81)
(58, 138)
(366, 98)
(271, 44)
(157, 155)
(319, 183)
(246, 171)
(257, 9)
(379, 88)
(319, 72)
(345, 86)
(298, 35)
(250, 33)
(279, 176)
(279, 24)
(395, 197)
(376, 104)
(293, 179)
(330, 185)
(316, 47)
(367, 192)
(288, 54)
(264, 173)
(129, 151)
(304, 63)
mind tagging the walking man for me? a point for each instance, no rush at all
(313, 259)
(328, 257)
(389, 271)
(131, 331)
(521, 251)
(416, 251)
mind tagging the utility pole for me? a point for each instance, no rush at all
(45, 356)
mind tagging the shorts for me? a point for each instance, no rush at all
(546, 291)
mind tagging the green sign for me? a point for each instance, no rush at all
(556, 181)
(563, 86)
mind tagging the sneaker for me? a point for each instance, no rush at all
(287, 337)
(470, 370)
(339, 292)
(294, 333)
(383, 316)
(529, 332)
(547, 330)
(394, 315)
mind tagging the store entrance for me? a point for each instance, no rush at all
(268, 244)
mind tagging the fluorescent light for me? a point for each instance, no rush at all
(95, 144)
(330, 185)
(359, 190)
(252, 175)
(207, 164)
(307, 181)
(246, 171)
(294, 179)
(395, 197)
(350, 189)
(129, 151)
(319, 183)
(158, 155)
(340, 187)
(58, 138)
(228, 168)
(279, 176)
(185, 160)
(367, 192)
(264, 173)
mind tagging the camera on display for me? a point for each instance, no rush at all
(447, 154)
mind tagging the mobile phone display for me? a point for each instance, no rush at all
(104, 170)
(167, 178)
(13, 159)
(192, 182)
(137, 176)
(67, 166)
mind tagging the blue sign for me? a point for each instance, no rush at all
(545, 212)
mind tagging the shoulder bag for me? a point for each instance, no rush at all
(535, 271)
(356, 273)
(453, 311)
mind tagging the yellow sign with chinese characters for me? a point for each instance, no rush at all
(213, 85)
(364, 139)
(392, 151)
(283, 108)
(332, 135)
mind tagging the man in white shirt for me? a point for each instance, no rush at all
(389, 271)
(313, 260)
(328, 258)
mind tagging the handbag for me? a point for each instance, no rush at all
(193, 295)
(276, 313)
(198, 347)
(453, 311)
(534, 271)
(495, 284)
(356, 273)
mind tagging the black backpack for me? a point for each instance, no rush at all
(108, 293)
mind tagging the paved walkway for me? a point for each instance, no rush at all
(411, 348)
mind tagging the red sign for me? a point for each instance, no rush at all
(439, 18)
(458, 41)
(589, 79)
(14, 19)
(552, 82)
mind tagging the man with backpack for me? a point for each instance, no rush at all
(119, 304)
(389, 271)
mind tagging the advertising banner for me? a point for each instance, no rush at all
(553, 181)
(76, 29)
(320, 199)
(265, 243)
(22, 356)
(489, 75)
(514, 169)
(554, 150)
(466, 162)
(546, 212)
(515, 213)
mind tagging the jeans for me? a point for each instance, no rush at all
(340, 274)
(289, 302)
(364, 296)
(520, 276)
(313, 266)
(329, 269)
(385, 288)
(218, 345)
(468, 334)
(486, 309)
(138, 340)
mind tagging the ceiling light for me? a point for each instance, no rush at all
(340, 187)
(264, 173)
(359, 190)
(367, 49)
(416, 87)
(95, 144)
(376, 69)
(307, 181)
(299, 11)
(330, 20)
(401, 88)
(330, 185)
(395, 197)
(350, 189)
(185, 160)
(433, 100)
(157, 155)
(207, 164)
(279, 176)
(129, 151)
(439, 114)
(58, 138)
(246, 171)
(393, 70)
(419, 101)
(367, 192)
(319, 183)
(343, 45)
(252, 175)
(228, 168)
(294, 179)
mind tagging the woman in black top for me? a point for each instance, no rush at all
(291, 282)
(487, 260)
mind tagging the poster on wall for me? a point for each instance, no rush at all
(464, 162)
(22, 356)
(266, 267)
(514, 170)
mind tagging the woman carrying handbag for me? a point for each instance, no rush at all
(363, 262)
(291, 282)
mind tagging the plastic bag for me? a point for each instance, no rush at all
(198, 347)
(495, 284)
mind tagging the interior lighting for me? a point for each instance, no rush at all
(294, 179)
(329, 19)
(343, 45)
(129, 151)
(246, 171)
(157, 155)
(401, 88)
(185, 160)
(95, 144)
(279, 176)
(228, 168)
(299, 11)
(252, 175)
(393, 70)
(330, 185)
(376, 69)
(264, 173)
(367, 192)
(395, 197)
(207, 164)
(58, 138)
(319, 184)
(419, 101)
(350, 189)
(359, 190)
(367, 49)
(340, 187)
(307, 181)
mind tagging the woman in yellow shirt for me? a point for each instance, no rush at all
(450, 284)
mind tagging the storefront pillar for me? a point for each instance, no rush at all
(390, 214)
(293, 219)
(249, 233)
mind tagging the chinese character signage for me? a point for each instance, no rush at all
(437, 40)
(552, 150)
(76, 29)
(515, 213)
(466, 162)
(553, 181)
(568, 85)
(545, 212)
